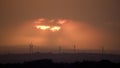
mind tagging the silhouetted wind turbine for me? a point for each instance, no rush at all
(102, 50)
(60, 49)
(31, 48)
(74, 48)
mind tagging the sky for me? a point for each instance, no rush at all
(90, 24)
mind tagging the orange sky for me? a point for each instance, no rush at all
(84, 36)
(90, 24)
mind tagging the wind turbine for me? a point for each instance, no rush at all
(31, 48)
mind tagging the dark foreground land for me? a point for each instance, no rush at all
(58, 57)
(46, 63)
(60, 60)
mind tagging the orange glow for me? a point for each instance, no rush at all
(61, 21)
(55, 28)
(49, 34)
(52, 24)
(39, 20)
(42, 27)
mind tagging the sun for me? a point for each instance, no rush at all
(53, 25)
(55, 28)
(42, 27)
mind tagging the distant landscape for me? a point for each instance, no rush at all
(47, 63)
(58, 57)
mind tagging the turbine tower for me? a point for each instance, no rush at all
(74, 48)
(31, 48)
(102, 50)
(60, 49)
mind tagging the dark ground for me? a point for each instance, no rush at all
(58, 57)
(46, 63)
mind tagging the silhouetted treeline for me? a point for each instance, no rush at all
(46, 63)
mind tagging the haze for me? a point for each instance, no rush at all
(91, 24)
